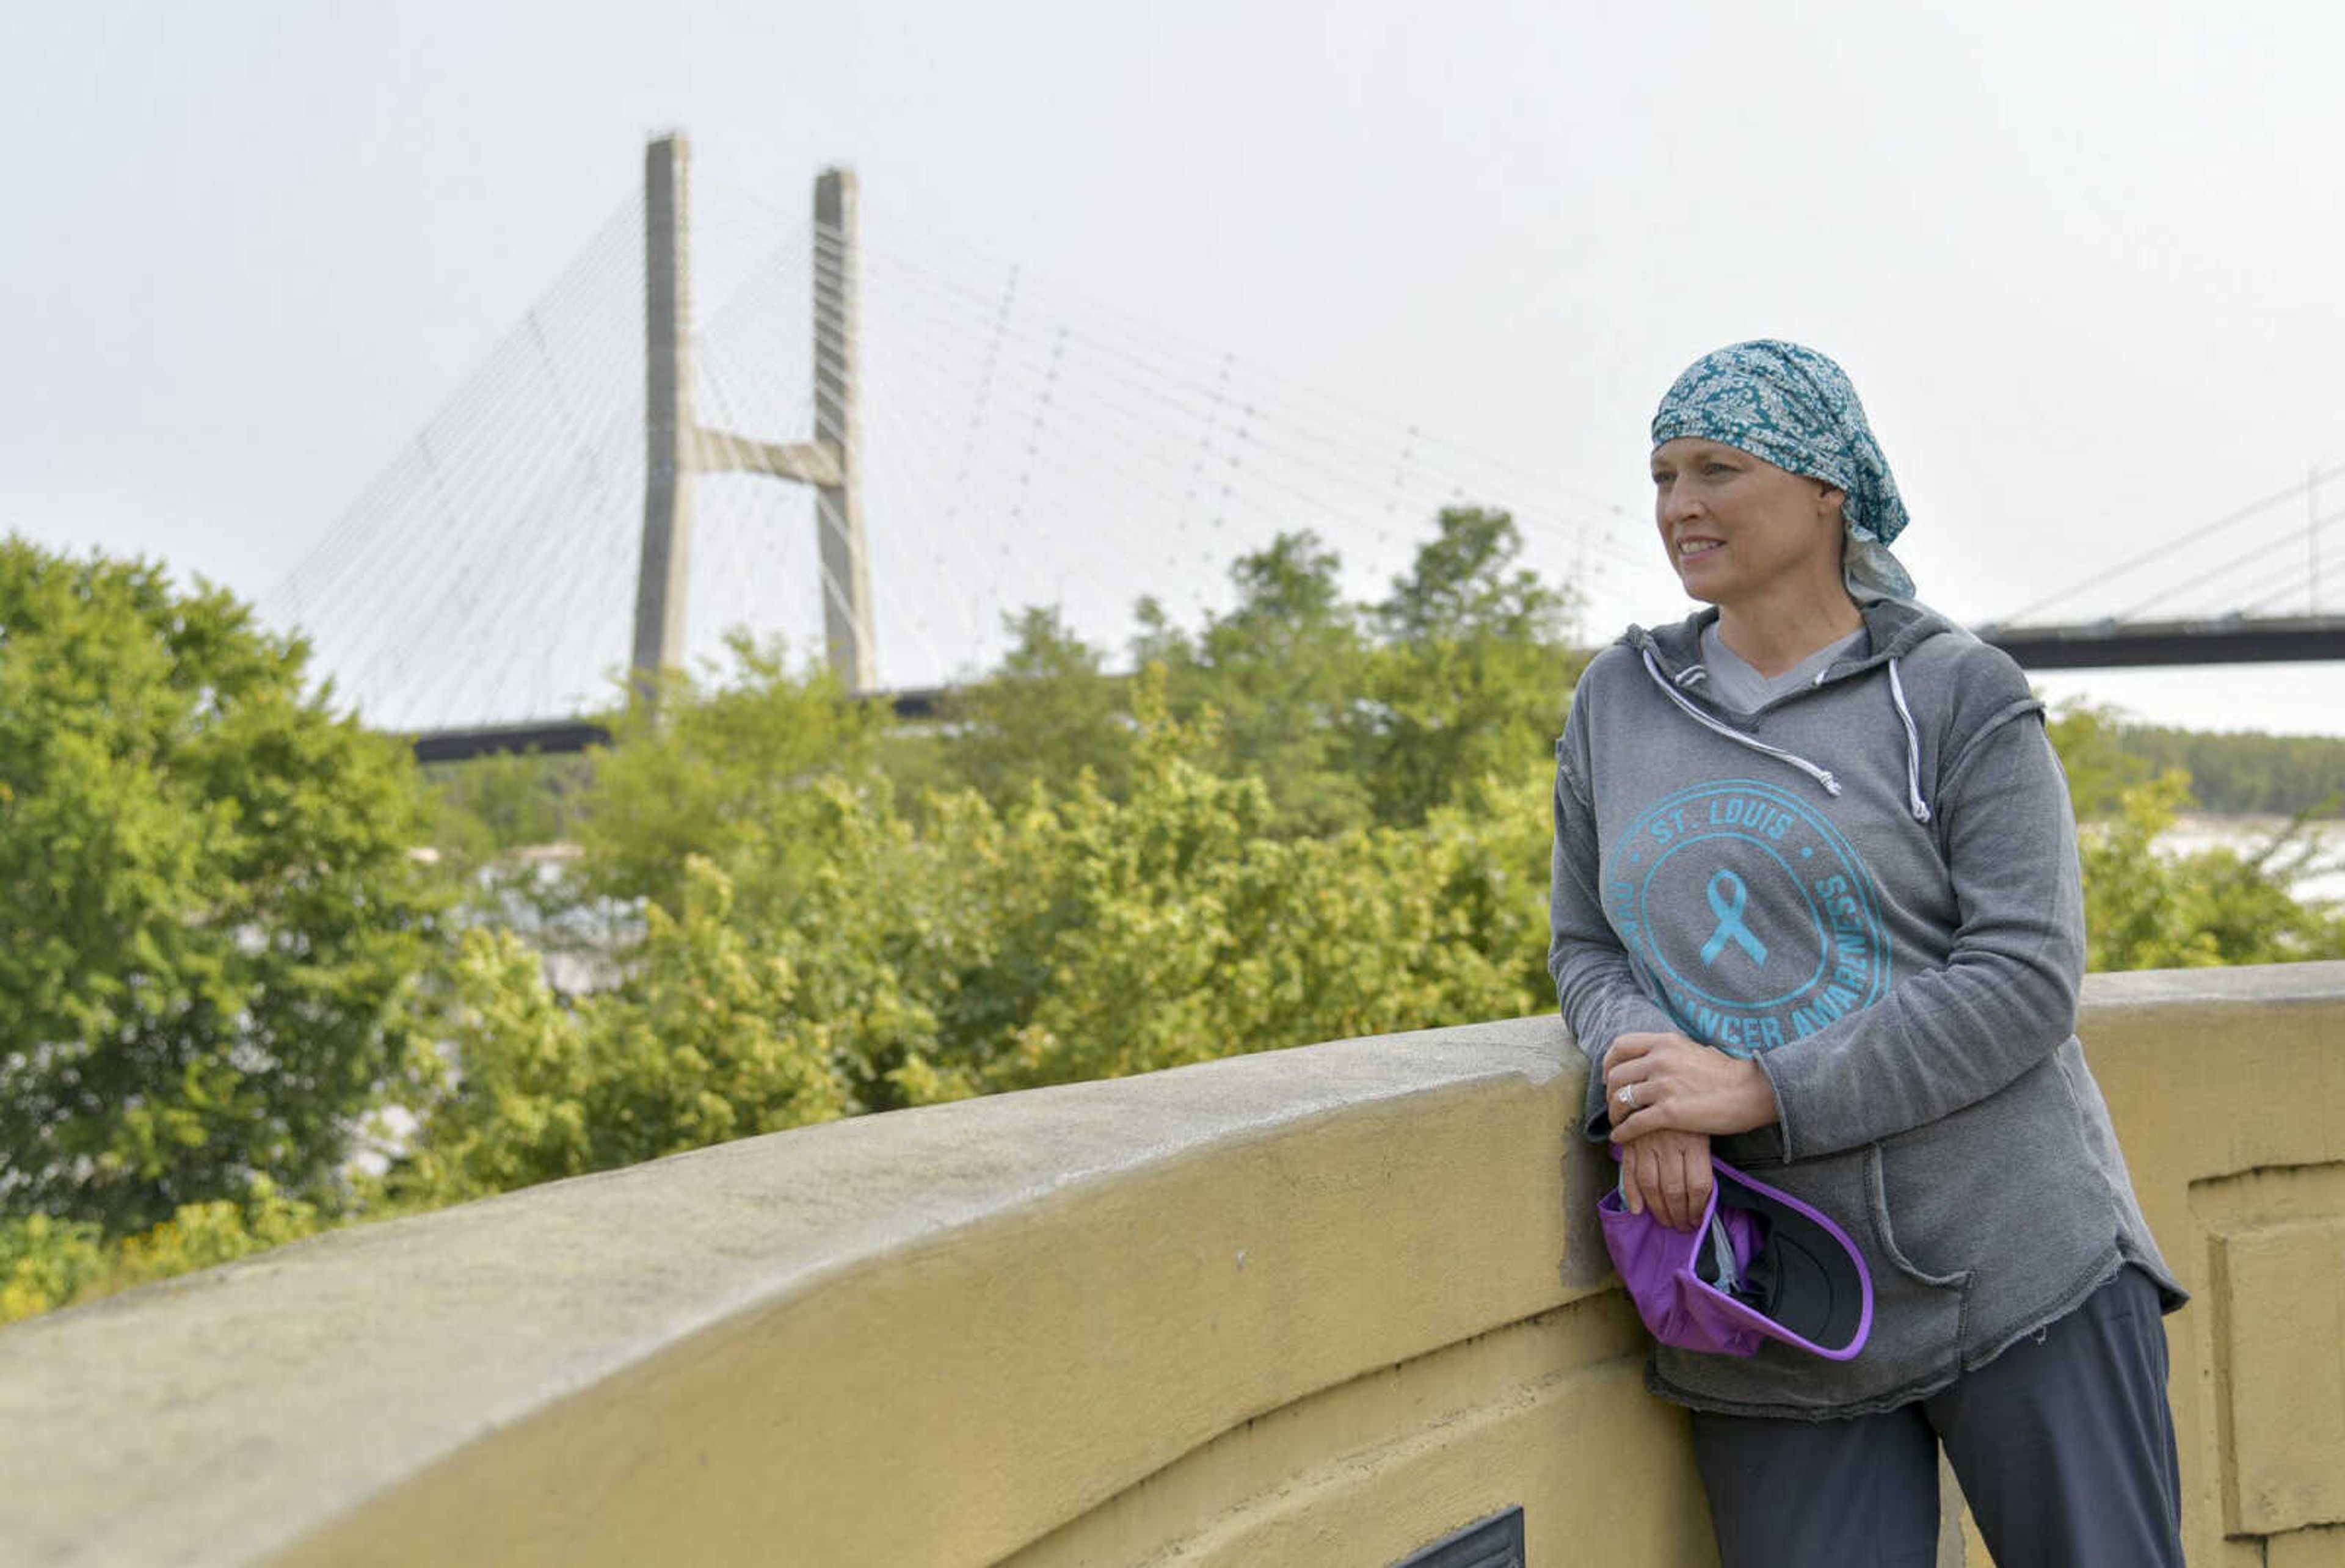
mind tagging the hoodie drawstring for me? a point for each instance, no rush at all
(1821, 776)
(1913, 801)
(1920, 807)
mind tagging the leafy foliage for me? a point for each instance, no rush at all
(706, 1042)
(210, 919)
(2092, 753)
(1047, 715)
(1072, 936)
(47, 1263)
(489, 806)
(2148, 910)
(720, 772)
(1282, 672)
(1174, 925)
(1473, 674)
(1350, 714)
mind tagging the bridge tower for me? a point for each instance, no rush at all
(677, 446)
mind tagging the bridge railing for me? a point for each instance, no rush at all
(1318, 1306)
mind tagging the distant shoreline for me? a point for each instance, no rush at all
(2331, 828)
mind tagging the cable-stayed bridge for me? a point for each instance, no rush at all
(2263, 577)
(873, 445)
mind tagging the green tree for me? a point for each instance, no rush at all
(2148, 908)
(211, 922)
(1179, 923)
(1045, 715)
(1283, 673)
(722, 768)
(2145, 909)
(2093, 755)
(491, 805)
(1473, 675)
(707, 1039)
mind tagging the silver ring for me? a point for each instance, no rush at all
(1627, 1096)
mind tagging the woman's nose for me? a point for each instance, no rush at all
(1676, 500)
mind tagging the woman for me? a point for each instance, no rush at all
(1816, 910)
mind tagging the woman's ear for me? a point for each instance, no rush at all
(1832, 511)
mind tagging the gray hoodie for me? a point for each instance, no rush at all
(1871, 886)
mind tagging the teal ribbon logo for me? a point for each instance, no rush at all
(1729, 907)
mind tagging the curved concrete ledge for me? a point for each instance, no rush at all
(1317, 1305)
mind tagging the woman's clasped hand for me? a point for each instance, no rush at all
(1668, 1096)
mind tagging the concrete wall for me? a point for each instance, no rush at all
(1321, 1306)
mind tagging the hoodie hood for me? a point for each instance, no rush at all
(1894, 628)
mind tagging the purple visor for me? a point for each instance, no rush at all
(1760, 1265)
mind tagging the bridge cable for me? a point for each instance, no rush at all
(2172, 546)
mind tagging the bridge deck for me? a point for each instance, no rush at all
(2081, 645)
(2121, 644)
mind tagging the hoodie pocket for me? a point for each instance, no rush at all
(1931, 1307)
(1884, 1231)
(2001, 1196)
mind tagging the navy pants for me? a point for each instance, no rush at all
(2064, 1445)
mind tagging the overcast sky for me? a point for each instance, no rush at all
(2081, 260)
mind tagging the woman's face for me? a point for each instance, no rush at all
(1736, 527)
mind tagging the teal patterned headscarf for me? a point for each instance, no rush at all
(1797, 409)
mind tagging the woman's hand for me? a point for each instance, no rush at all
(1658, 1082)
(1668, 1172)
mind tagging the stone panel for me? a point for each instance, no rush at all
(2317, 1548)
(2276, 1326)
(2284, 1289)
